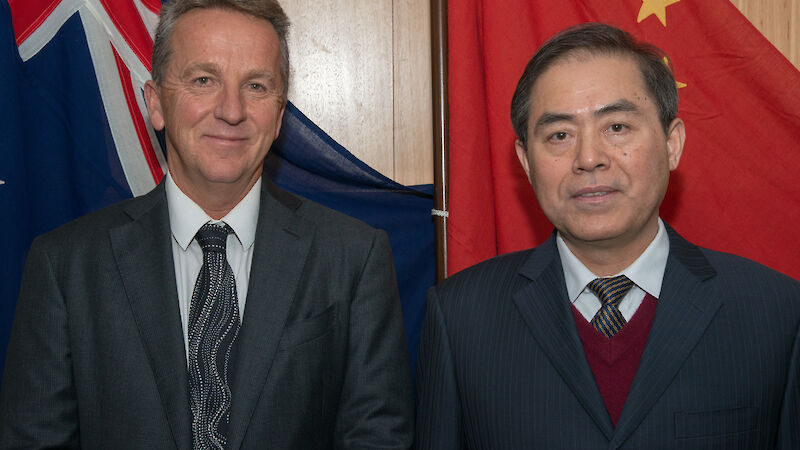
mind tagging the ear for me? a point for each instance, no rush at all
(152, 96)
(280, 122)
(522, 155)
(676, 136)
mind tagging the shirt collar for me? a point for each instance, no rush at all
(186, 217)
(646, 272)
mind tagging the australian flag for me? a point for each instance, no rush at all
(75, 136)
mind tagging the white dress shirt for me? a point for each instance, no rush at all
(185, 218)
(646, 272)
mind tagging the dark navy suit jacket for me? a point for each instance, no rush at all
(501, 365)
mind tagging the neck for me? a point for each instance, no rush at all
(610, 257)
(216, 199)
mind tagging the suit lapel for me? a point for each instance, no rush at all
(281, 247)
(685, 309)
(545, 308)
(143, 253)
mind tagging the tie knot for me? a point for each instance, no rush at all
(212, 237)
(611, 290)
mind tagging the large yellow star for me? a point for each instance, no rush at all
(657, 7)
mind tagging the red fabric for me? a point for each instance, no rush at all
(614, 361)
(737, 188)
(27, 15)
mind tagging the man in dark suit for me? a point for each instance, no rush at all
(616, 333)
(216, 311)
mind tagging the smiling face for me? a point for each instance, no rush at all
(220, 102)
(597, 155)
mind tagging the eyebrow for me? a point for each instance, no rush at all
(620, 105)
(201, 67)
(263, 74)
(548, 118)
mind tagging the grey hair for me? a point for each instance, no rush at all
(269, 10)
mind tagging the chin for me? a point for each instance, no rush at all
(594, 233)
(224, 177)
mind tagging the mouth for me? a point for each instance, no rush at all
(594, 194)
(226, 140)
(222, 137)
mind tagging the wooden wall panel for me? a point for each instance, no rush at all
(413, 108)
(361, 71)
(341, 59)
(778, 21)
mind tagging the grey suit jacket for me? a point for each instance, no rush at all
(96, 357)
(501, 365)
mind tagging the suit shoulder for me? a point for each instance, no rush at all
(329, 223)
(742, 272)
(87, 227)
(754, 293)
(500, 273)
(752, 290)
(338, 238)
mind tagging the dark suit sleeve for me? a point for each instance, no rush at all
(438, 405)
(376, 405)
(38, 408)
(789, 431)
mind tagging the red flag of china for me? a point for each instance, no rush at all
(737, 188)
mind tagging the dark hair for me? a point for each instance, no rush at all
(597, 38)
(269, 10)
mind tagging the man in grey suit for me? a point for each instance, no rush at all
(216, 311)
(616, 333)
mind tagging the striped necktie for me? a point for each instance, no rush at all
(213, 328)
(608, 319)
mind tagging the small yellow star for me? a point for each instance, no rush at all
(657, 7)
(667, 63)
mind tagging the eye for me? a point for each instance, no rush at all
(256, 86)
(202, 81)
(559, 136)
(617, 128)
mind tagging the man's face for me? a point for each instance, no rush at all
(597, 155)
(220, 99)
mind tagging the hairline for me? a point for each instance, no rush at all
(588, 55)
(585, 54)
(593, 40)
(158, 75)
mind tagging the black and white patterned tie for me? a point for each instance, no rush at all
(213, 328)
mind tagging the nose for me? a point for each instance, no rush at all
(230, 108)
(590, 154)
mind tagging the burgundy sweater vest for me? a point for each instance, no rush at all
(614, 361)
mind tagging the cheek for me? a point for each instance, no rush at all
(548, 174)
(190, 109)
(648, 174)
(267, 115)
